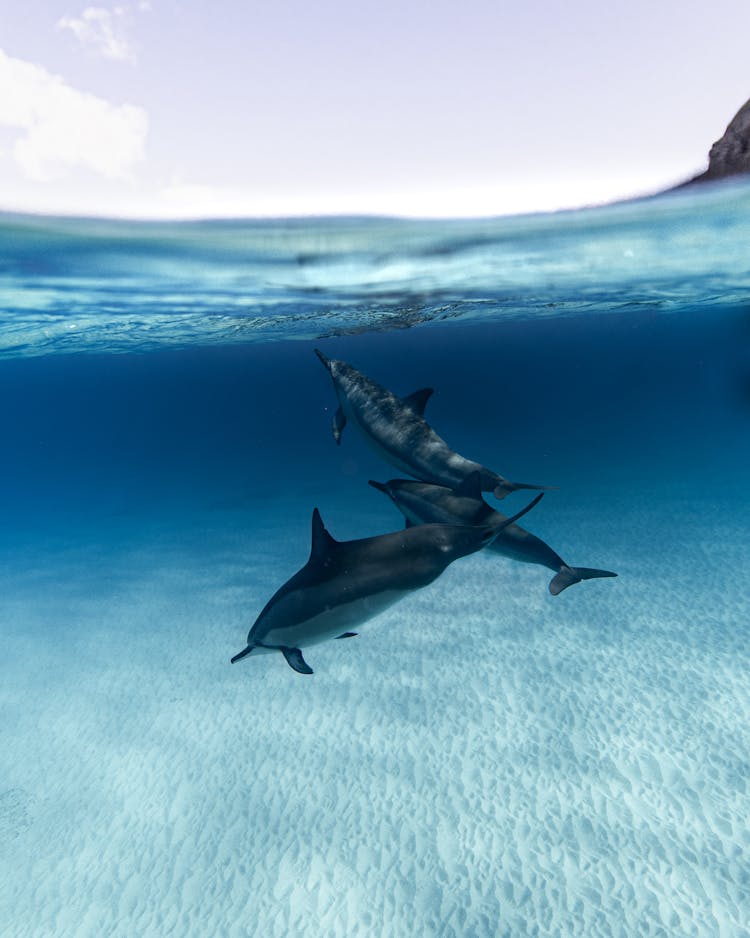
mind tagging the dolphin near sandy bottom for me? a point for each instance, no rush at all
(423, 503)
(345, 583)
(396, 429)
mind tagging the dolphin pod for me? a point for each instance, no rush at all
(345, 583)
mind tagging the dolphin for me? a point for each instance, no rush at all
(345, 583)
(421, 502)
(396, 429)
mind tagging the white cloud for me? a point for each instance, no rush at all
(102, 31)
(63, 128)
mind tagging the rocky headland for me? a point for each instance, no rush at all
(729, 156)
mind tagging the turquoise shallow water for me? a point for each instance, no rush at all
(85, 285)
(484, 759)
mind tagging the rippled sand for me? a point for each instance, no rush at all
(482, 760)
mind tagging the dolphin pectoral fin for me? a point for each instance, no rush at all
(417, 400)
(243, 654)
(570, 575)
(348, 635)
(339, 422)
(295, 660)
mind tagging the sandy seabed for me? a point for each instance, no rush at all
(483, 760)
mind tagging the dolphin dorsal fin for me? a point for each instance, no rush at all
(322, 543)
(418, 400)
(470, 487)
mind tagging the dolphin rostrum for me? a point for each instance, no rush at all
(396, 429)
(345, 583)
(423, 503)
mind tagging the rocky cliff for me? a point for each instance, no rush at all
(730, 155)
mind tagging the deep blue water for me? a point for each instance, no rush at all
(629, 401)
(166, 431)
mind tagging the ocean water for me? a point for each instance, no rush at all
(484, 759)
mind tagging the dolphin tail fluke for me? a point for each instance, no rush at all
(570, 575)
(243, 654)
(505, 487)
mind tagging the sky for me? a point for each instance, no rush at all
(181, 108)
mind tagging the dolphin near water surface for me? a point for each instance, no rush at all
(424, 503)
(396, 429)
(345, 583)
